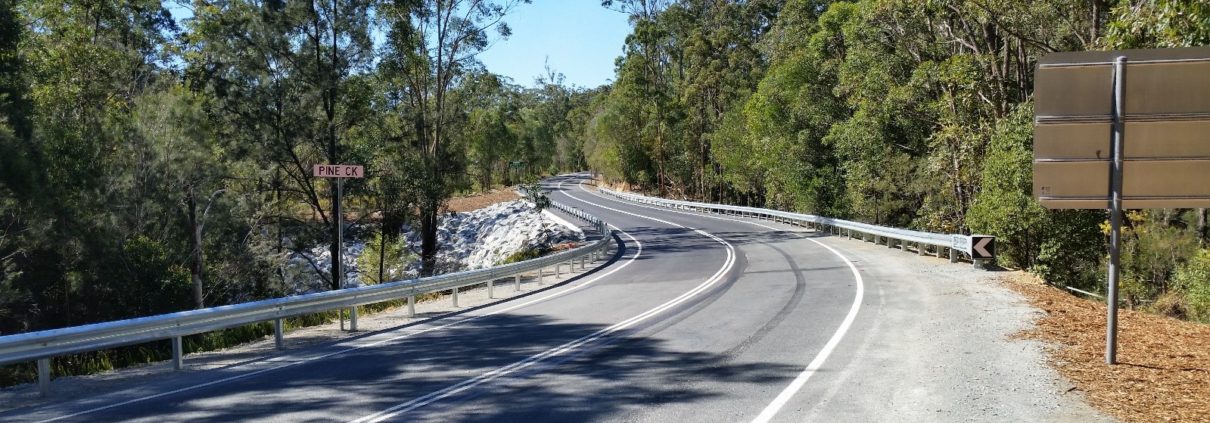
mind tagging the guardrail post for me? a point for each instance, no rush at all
(455, 296)
(411, 306)
(921, 249)
(541, 272)
(491, 288)
(517, 282)
(582, 262)
(353, 319)
(558, 271)
(178, 354)
(953, 255)
(44, 376)
(277, 334)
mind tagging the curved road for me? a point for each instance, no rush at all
(695, 317)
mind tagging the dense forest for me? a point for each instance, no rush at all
(909, 113)
(155, 164)
(151, 164)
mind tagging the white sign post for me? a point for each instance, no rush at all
(340, 173)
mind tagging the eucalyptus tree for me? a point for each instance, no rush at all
(284, 78)
(430, 49)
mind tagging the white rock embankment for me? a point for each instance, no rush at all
(469, 240)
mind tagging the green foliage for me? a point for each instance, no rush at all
(523, 255)
(1158, 23)
(1150, 256)
(389, 257)
(1193, 280)
(535, 194)
(1005, 206)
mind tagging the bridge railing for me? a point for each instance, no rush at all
(922, 242)
(41, 346)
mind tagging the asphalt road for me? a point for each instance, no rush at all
(696, 318)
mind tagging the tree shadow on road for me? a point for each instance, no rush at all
(605, 376)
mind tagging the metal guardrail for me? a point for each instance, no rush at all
(954, 243)
(40, 346)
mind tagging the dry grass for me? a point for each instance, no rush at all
(1164, 364)
(478, 201)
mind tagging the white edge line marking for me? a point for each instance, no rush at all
(638, 251)
(569, 346)
(771, 410)
(796, 385)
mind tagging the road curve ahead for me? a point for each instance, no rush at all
(696, 317)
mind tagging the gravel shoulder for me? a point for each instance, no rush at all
(936, 341)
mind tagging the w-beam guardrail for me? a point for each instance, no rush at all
(976, 247)
(41, 346)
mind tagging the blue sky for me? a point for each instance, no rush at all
(580, 37)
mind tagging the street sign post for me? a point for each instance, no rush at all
(340, 173)
(1156, 122)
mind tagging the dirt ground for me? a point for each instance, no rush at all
(1164, 364)
(478, 201)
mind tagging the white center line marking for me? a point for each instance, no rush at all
(408, 334)
(567, 347)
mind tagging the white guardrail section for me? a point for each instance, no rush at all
(922, 241)
(40, 346)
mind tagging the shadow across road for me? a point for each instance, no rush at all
(601, 378)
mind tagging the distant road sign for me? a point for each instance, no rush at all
(1165, 129)
(338, 171)
(983, 247)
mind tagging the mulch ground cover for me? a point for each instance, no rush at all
(1164, 363)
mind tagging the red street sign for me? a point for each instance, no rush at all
(338, 171)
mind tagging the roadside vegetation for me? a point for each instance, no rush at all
(908, 113)
(150, 164)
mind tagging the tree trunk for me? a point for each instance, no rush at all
(195, 241)
(428, 240)
(382, 252)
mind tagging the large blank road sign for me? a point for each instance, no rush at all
(1166, 144)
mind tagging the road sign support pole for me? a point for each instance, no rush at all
(338, 219)
(1115, 210)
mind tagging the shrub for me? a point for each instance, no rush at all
(1193, 281)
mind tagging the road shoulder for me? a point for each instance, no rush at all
(936, 342)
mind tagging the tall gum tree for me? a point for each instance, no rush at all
(431, 46)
